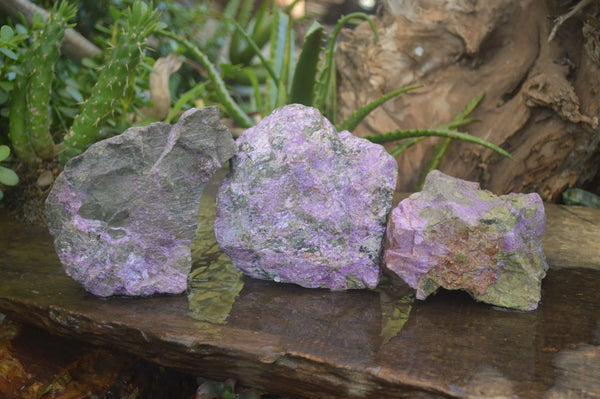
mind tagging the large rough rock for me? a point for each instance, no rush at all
(124, 212)
(305, 204)
(455, 236)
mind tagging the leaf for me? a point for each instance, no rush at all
(442, 147)
(303, 85)
(73, 92)
(276, 53)
(256, 88)
(209, 390)
(402, 134)
(233, 108)
(357, 116)
(4, 152)
(185, 98)
(6, 33)
(405, 144)
(326, 92)
(38, 19)
(8, 177)
(9, 53)
(236, 45)
(286, 65)
(257, 52)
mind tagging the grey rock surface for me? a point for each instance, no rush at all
(305, 204)
(124, 212)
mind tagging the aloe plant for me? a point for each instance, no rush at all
(311, 79)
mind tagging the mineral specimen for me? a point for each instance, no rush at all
(305, 204)
(124, 212)
(455, 236)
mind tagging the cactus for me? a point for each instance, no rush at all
(17, 131)
(113, 81)
(45, 52)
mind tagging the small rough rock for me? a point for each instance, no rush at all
(455, 236)
(305, 204)
(123, 213)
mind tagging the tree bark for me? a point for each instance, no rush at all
(75, 46)
(541, 99)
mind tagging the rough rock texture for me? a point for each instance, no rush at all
(124, 212)
(305, 204)
(455, 236)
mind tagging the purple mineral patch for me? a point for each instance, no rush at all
(304, 204)
(455, 236)
(124, 212)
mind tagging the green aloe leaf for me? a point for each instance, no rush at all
(442, 147)
(405, 144)
(233, 108)
(326, 97)
(222, 30)
(357, 116)
(256, 88)
(256, 49)
(403, 134)
(286, 65)
(276, 54)
(188, 96)
(303, 85)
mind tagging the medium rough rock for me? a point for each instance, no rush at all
(124, 212)
(455, 236)
(304, 204)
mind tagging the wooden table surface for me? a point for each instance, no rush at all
(299, 342)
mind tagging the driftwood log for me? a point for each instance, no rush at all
(75, 46)
(542, 96)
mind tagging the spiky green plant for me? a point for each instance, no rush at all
(114, 79)
(45, 52)
(29, 113)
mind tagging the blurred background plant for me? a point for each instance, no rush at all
(155, 61)
(7, 176)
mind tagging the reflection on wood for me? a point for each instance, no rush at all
(214, 283)
(305, 343)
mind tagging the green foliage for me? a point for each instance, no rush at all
(357, 116)
(47, 92)
(115, 78)
(12, 41)
(223, 390)
(302, 91)
(7, 176)
(442, 146)
(453, 134)
(230, 105)
(578, 196)
(43, 56)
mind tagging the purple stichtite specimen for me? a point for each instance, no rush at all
(305, 204)
(456, 236)
(124, 212)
